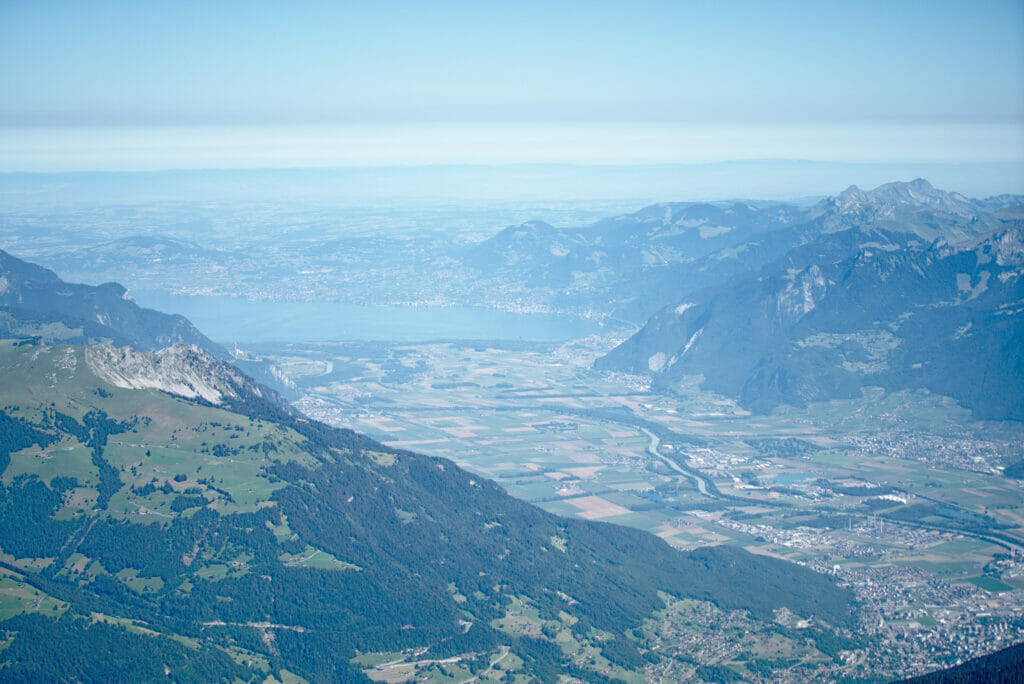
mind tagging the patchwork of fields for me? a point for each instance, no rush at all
(553, 432)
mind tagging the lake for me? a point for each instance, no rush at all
(233, 319)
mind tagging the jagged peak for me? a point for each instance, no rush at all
(886, 198)
(916, 191)
(919, 184)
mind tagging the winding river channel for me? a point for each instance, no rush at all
(652, 448)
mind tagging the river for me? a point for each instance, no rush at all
(702, 486)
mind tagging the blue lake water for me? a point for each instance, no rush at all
(233, 319)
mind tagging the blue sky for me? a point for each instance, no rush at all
(191, 84)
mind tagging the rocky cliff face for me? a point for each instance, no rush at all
(182, 369)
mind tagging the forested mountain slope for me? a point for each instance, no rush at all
(222, 537)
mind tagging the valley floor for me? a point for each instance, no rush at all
(903, 496)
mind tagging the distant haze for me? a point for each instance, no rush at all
(631, 186)
(145, 86)
(148, 148)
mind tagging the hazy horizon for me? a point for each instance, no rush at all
(635, 185)
(119, 86)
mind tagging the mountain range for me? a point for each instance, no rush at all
(631, 266)
(904, 287)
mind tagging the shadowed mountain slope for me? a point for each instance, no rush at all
(879, 303)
